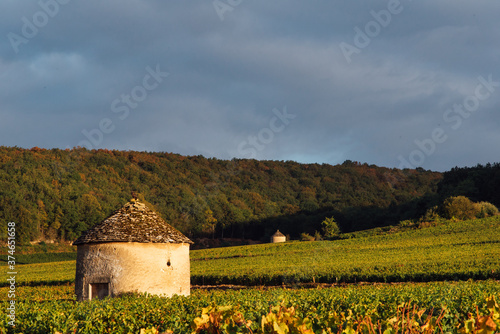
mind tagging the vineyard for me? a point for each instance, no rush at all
(462, 252)
(450, 251)
(51, 309)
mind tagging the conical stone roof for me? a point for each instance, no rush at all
(278, 234)
(134, 222)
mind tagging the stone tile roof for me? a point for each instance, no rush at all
(134, 222)
(278, 234)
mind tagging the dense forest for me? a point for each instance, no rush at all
(479, 183)
(57, 194)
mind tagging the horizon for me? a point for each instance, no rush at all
(271, 160)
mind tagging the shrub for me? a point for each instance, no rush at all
(459, 207)
(306, 237)
(431, 215)
(406, 223)
(485, 209)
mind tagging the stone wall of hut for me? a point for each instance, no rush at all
(119, 267)
(278, 238)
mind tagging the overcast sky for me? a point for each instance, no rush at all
(397, 84)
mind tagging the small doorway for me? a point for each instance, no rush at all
(98, 290)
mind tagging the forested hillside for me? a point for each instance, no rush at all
(479, 183)
(57, 194)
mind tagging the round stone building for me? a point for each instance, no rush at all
(278, 237)
(133, 250)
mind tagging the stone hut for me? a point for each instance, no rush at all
(278, 237)
(133, 250)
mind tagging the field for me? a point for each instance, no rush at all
(456, 253)
(451, 251)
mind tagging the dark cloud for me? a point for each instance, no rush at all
(227, 76)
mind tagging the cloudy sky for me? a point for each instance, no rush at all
(392, 83)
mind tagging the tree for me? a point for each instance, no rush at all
(210, 222)
(246, 196)
(90, 210)
(330, 228)
(459, 207)
(42, 217)
(55, 225)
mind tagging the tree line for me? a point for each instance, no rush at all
(57, 194)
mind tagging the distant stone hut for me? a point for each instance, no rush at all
(278, 237)
(133, 250)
